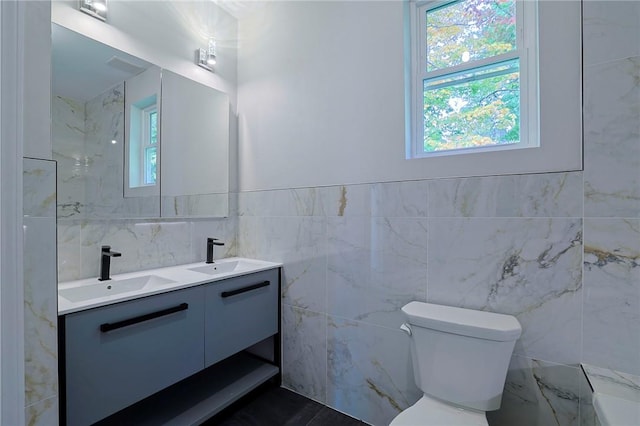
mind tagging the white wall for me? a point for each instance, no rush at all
(11, 292)
(320, 94)
(321, 98)
(37, 68)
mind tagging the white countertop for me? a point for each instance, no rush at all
(161, 280)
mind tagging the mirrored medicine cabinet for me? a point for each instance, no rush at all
(133, 140)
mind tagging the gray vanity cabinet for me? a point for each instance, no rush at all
(175, 358)
(119, 354)
(239, 313)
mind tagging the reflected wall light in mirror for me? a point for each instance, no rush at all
(206, 58)
(95, 8)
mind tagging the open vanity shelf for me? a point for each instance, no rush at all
(174, 358)
(197, 398)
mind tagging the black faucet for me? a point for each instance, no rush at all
(210, 243)
(105, 262)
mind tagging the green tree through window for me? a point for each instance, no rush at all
(471, 83)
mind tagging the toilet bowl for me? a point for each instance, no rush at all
(460, 359)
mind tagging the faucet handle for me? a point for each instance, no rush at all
(106, 250)
(214, 241)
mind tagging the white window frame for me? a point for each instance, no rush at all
(137, 140)
(142, 96)
(526, 52)
(559, 149)
(145, 142)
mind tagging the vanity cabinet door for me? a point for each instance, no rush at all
(119, 354)
(239, 313)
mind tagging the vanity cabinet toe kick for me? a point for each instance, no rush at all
(116, 355)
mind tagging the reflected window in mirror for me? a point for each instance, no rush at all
(150, 140)
(143, 143)
(143, 134)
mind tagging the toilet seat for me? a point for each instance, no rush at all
(431, 412)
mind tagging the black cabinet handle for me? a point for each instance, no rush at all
(146, 317)
(244, 289)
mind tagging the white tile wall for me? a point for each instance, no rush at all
(40, 296)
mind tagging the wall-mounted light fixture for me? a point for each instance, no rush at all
(95, 8)
(206, 58)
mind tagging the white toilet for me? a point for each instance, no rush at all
(460, 360)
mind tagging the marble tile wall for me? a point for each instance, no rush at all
(612, 293)
(40, 298)
(144, 244)
(93, 212)
(612, 185)
(354, 255)
(212, 205)
(68, 136)
(560, 251)
(90, 165)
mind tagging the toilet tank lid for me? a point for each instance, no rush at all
(466, 322)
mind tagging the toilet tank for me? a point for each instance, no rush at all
(461, 355)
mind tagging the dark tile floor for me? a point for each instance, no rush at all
(274, 406)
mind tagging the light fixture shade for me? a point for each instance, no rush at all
(201, 59)
(206, 58)
(95, 8)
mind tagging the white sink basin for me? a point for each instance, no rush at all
(225, 266)
(216, 268)
(111, 287)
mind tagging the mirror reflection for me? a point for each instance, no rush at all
(88, 128)
(125, 151)
(142, 134)
(194, 165)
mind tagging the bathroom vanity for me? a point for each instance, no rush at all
(175, 349)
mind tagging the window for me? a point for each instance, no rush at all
(149, 146)
(143, 146)
(142, 152)
(476, 77)
(142, 134)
